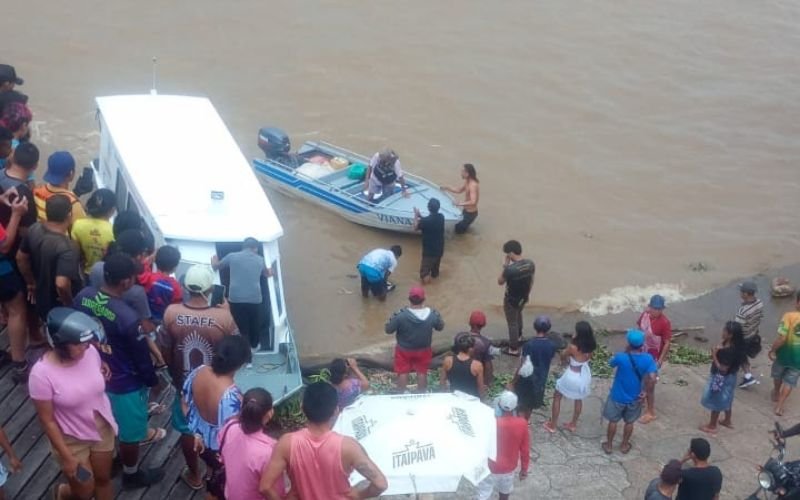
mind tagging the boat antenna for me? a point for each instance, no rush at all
(153, 88)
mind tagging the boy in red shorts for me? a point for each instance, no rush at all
(413, 326)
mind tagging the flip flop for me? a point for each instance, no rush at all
(185, 479)
(708, 430)
(625, 449)
(158, 434)
(570, 427)
(508, 352)
(155, 409)
(549, 428)
(646, 419)
(606, 448)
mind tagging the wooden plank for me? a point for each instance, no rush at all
(172, 471)
(39, 483)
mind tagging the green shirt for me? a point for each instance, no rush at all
(789, 354)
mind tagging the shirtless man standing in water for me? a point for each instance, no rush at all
(470, 204)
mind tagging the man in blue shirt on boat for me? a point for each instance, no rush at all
(384, 170)
(375, 268)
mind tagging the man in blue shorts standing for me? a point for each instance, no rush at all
(634, 379)
(375, 268)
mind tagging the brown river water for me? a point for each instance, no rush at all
(620, 142)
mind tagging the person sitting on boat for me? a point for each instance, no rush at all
(375, 268)
(384, 170)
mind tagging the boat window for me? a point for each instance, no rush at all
(132, 204)
(276, 270)
(122, 190)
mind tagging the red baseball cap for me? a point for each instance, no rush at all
(477, 318)
(416, 292)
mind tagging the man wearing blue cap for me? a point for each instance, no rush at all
(635, 377)
(59, 175)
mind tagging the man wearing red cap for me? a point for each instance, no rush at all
(483, 346)
(413, 326)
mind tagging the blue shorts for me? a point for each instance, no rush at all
(130, 412)
(785, 374)
(630, 412)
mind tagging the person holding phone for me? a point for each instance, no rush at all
(67, 387)
(188, 338)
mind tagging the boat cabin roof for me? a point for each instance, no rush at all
(187, 169)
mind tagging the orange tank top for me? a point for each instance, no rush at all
(315, 466)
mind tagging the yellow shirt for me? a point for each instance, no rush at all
(93, 237)
(45, 191)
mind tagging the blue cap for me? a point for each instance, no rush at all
(658, 302)
(635, 338)
(542, 324)
(59, 166)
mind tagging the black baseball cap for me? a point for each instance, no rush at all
(9, 74)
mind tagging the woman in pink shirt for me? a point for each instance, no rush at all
(67, 386)
(246, 448)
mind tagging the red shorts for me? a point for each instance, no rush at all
(408, 361)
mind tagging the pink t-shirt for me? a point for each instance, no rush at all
(315, 466)
(76, 391)
(245, 456)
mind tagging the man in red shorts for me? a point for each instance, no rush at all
(658, 335)
(413, 326)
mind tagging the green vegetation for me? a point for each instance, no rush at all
(599, 362)
(680, 354)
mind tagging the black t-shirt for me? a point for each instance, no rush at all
(519, 281)
(52, 254)
(432, 227)
(700, 483)
(7, 182)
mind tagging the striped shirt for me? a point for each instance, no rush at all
(749, 315)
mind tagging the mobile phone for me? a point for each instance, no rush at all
(217, 295)
(82, 474)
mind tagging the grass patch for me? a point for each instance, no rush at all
(680, 354)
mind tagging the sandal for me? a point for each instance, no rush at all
(570, 427)
(157, 435)
(625, 449)
(549, 427)
(185, 479)
(155, 409)
(709, 430)
(606, 448)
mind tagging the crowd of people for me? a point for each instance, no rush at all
(99, 324)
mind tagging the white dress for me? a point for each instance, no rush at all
(576, 382)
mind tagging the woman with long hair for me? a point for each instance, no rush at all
(576, 381)
(211, 398)
(68, 390)
(727, 358)
(471, 189)
(348, 380)
(246, 448)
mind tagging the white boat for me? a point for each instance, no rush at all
(173, 160)
(323, 174)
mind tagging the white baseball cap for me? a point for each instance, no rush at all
(507, 401)
(199, 278)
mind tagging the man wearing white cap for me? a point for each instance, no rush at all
(191, 331)
(513, 447)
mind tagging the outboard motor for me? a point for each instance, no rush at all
(274, 142)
